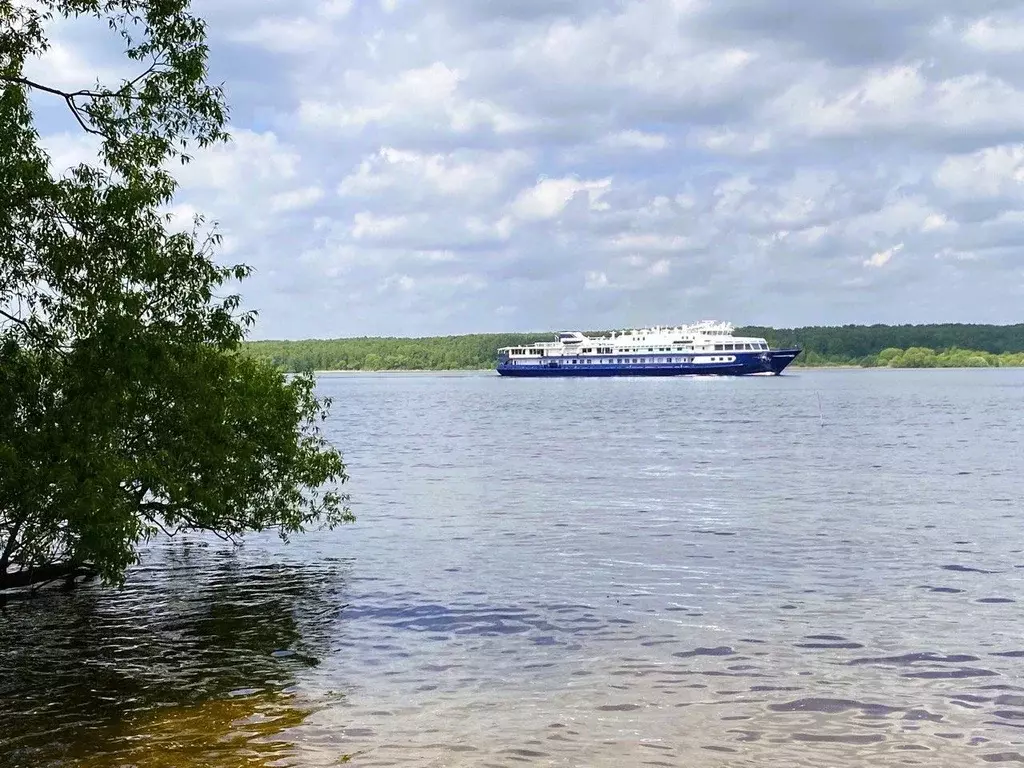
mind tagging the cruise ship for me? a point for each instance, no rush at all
(704, 348)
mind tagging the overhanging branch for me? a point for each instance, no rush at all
(125, 91)
(68, 96)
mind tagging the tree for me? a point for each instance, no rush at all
(126, 407)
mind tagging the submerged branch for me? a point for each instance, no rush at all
(37, 577)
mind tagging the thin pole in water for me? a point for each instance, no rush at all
(821, 413)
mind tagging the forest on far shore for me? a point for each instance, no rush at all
(894, 346)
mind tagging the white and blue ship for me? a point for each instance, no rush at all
(705, 348)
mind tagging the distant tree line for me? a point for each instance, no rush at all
(900, 346)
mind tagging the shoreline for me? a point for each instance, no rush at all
(790, 370)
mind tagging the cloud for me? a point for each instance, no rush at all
(453, 166)
(882, 258)
(307, 27)
(472, 176)
(632, 139)
(990, 172)
(1003, 35)
(427, 96)
(549, 197)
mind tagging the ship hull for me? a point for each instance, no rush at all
(750, 364)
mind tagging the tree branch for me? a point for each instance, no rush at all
(12, 544)
(121, 92)
(14, 319)
(69, 98)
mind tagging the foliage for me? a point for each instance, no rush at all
(924, 357)
(857, 344)
(437, 353)
(868, 346)
(125, 406)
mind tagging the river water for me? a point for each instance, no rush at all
(819, 569)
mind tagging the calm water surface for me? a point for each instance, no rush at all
(678, 572)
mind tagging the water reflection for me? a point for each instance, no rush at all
(193, 663)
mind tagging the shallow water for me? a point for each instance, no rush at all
(698, 572)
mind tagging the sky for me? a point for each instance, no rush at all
(422, 167)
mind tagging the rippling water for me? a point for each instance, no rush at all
(698, 572)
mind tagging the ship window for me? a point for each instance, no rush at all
(718, 347)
